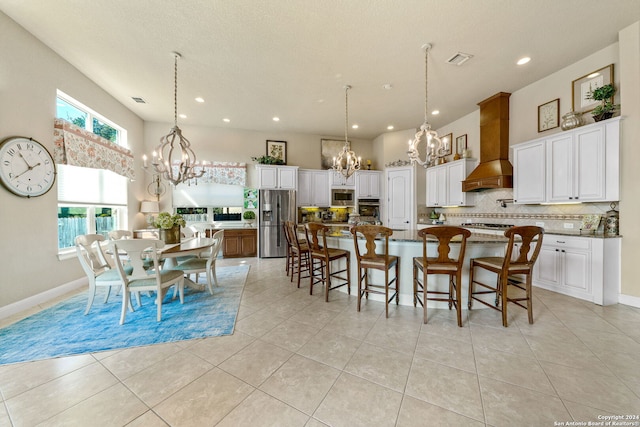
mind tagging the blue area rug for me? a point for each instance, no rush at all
(64, 330)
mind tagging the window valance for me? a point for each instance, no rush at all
(76, 146)
(229, 173)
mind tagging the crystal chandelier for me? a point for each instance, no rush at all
(435, 147)
(346, 163)
(166, 154)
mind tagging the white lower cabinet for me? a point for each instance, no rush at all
(582, 267)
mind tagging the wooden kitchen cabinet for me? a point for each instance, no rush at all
(582, 267)
(313, 188)
(368, 184)
(444, 184)
(240, 243)
(277, 177)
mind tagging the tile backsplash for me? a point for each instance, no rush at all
(488, 210)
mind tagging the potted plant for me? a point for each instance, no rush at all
(268, 160)
(249, 217)
(604, 94)
(169, 226)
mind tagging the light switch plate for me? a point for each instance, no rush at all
(540, 224)
(568, 225)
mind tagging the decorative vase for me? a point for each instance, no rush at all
(170, 235)
(603, 116)
(571, 120)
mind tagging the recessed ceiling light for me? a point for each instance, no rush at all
(199, 99)
(387, 86)
(354, 126)
(523, 61)
(320, 101)
(276, 119)
(226, 120)
(182, 116)
(592, 75)
(390, 127)
(435, 112)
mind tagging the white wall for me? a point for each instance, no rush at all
(30, 73)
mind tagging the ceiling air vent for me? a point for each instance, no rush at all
(138, 100)
(459, 58)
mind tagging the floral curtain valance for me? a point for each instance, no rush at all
(229, 173)
(76, 146)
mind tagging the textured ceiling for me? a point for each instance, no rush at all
(254, 59)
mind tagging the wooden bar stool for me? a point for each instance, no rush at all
(325, 255)
(289, 253)
(299, 252)
(442, 264)
(509, 269)
(376, 261)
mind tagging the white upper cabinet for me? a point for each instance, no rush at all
(444, 184)
(313, 188)
(339, 181)
(277, 177)
(368, 184)
(529, 161)
(580, 165)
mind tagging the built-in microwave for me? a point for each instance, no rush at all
(342, 197)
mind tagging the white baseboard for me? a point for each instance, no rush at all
(629, 300)
(27, 303)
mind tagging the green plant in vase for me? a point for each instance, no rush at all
(268, 160)
(169, 226)
(604, 94)
(249, 217)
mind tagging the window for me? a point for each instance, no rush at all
(89, 200)
(73, 111)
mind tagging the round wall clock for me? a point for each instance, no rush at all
(26, 167)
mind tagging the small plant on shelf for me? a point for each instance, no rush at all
(249, 217)
(604, 94)
(268, 160)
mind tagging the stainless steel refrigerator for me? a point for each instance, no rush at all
(276, 207)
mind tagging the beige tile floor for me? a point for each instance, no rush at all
(295, 360)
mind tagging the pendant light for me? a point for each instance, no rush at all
(346, 163)
(166, 154)
(435, 147)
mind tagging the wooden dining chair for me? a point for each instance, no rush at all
(156, 280)
(442, 264)
(509, 270)
(325, 257)
(300, 258)
(372, 260)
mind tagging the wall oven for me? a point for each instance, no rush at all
(342, 197)
(369, 210)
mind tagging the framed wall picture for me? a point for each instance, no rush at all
(277, 149)
(329, 148)
(461, 144)
(447, 142)
(581, 87)
(549, 115)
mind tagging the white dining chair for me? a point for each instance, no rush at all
(120, 234)
(204, 264)
(96, 267)
(140, 280)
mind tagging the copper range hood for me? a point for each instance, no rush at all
(494, 170)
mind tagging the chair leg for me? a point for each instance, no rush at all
(529, 299)
(359, 286)
(425, 277)
(386, 293)
(159, 305)
(398, 282)
(470, 294)
(92, 295)
(504, 286)
(211, 278)
(106, 297)
(459, 297)
(327, 279)
(348, 274)
(415, 284)
(125, 301)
